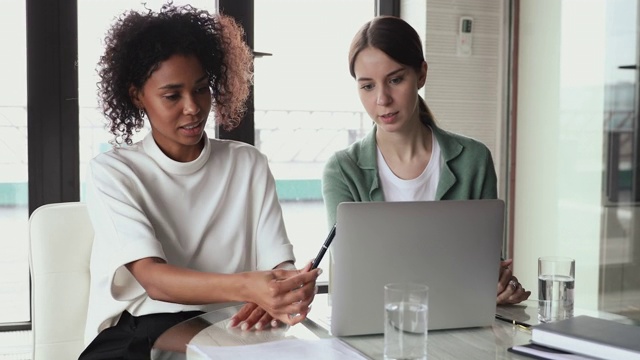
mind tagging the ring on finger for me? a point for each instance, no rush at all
(514, 284)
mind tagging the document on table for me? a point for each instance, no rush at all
(288, 349)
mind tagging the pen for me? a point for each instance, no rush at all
(517, 323)
(325, 246)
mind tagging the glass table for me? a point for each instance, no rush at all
(491, 342)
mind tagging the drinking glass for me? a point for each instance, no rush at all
(556, 278)
(405, 321)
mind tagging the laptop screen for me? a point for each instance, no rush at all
(451, 246)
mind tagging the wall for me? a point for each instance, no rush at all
(464, 93)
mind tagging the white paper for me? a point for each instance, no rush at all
(289, 349)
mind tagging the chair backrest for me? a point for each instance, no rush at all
(60, 241)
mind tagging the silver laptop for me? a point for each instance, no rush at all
(452, 246)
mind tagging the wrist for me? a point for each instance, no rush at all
(286, 265)
(243, 283)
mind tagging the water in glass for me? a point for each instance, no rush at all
(405, 331)
(555, 297)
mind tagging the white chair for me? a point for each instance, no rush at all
(60, 240)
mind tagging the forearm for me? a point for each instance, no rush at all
(165, 282)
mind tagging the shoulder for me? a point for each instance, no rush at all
(115, 171)
(361, 153)
(464, 145)
(346, 158)
(235, 148)
(466, 141)
(237, 151)
(118, 159)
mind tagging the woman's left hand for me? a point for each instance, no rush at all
(253, 316)
(510, 291)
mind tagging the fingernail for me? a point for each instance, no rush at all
(244, 326)
(319, 271)
(291, 316)
(274, 323)
(259, 326)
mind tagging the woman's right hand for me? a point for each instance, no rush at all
(283, 294)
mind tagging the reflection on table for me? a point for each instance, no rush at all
(490, 342)
(211, 329)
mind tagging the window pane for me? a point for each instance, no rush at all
(306, 105)
(619, 268)
(577, 153)
(14, 211)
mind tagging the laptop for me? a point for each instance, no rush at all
(452, 246)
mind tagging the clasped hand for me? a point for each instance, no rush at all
(277, 295)
(510, 291)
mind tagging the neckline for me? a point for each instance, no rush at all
(172, 166)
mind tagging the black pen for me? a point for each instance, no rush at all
(513, 322)
(325, 246)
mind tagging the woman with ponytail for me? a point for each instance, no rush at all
(406, 156)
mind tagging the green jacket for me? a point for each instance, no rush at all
(351, 175)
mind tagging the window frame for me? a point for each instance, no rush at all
(53, 110)
(244, 13)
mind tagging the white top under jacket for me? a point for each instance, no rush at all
(422, 188)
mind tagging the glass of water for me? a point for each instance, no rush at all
(405, 321)
(556, 278)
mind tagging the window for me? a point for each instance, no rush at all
(14, 212)
(306, 104)
(577, 147)
(322, 113)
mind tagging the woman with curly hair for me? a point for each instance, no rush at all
(183, 223)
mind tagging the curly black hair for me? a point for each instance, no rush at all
(138, 43)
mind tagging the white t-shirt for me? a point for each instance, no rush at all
(219, 213)
(422, 188)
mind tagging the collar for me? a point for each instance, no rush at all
(172, 166)
(450, 147)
